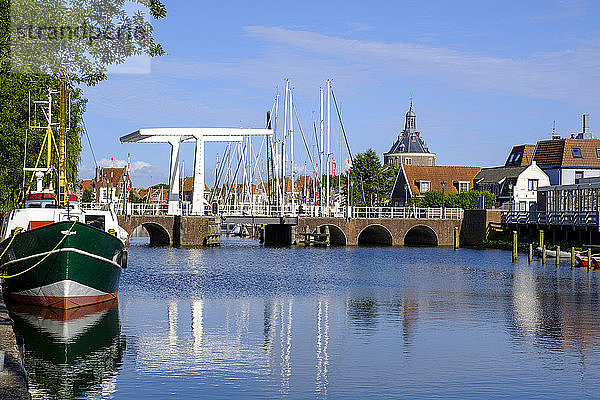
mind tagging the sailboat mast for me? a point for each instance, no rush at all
(321, 151)
(62, 145)
(328, 139)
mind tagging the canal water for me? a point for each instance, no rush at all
(247, 321)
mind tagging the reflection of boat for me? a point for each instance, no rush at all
(70, 352)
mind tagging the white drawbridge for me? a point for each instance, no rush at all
(176, 136)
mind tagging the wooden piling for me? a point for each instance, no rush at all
(557, 256)
(589, 257)
(544, 254)
(573, 261)
(530, 253)
(541, 238)
(456, 238)
(514, 247)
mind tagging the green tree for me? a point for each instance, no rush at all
(465, 200)
(32, 64)
(86, 196)
(376, 179)
(134, 199)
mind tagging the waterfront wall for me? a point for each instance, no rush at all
(477, 225)
(13, 382)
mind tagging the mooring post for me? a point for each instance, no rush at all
(456, 238)
(541, 238)
(327, 237)
(514, 247)
(530, 253)
(589, 259)
(572, 257)
(557, 256)
(544, 254)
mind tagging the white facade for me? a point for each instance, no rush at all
(525, 189)
(570, 175)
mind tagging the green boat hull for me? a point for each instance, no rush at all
(83, 269)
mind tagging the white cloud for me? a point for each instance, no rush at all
(137, 167)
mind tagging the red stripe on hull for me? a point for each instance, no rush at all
(64, 315)
(63, 303)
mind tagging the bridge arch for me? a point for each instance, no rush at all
(420, 235)
(375, 235)
(336, 235)
(159, 235)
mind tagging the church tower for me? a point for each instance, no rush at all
(409, 148)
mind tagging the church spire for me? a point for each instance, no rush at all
(410, 124)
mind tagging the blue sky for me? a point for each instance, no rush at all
(485, 75)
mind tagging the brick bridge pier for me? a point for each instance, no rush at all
(174, 230)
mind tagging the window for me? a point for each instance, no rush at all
(578, 176)
(598, 152)
(463, 187)
(532, 184)
(576, 152)
(424, 186)
(408, 161)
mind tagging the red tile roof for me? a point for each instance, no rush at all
(438, 174)
(559, 153)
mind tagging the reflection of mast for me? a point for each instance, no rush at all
(525, 302)
(286, 347)
(322, 345)
(172, 308)
(197, 308)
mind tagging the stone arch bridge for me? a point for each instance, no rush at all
(174, 230)
(386, 231)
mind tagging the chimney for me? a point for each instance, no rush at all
(586, 124)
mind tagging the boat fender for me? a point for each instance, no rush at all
(112, 232)
(124, 259)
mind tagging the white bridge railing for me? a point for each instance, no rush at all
(265, 210)
(561, 218)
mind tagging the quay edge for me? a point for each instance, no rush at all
(13, 380)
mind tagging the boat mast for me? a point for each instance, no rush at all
(328, 140)
(62, 145)
(321, 151)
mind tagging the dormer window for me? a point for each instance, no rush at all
(576, 150)
(424, 186)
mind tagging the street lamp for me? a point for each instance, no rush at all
(443, 199)
(405, 195)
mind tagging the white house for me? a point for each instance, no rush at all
(515, 187)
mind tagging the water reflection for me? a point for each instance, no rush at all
(253, 322)
(70, 352)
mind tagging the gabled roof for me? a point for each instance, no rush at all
(110, 175)
(520, 155)
(497, 174)
(435, 175)
(559, 153)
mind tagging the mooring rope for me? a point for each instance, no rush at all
(3, 277)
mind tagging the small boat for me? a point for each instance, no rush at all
(583, 261)
(552, 253)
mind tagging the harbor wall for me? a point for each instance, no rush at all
(477, 225)
(13, 378)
